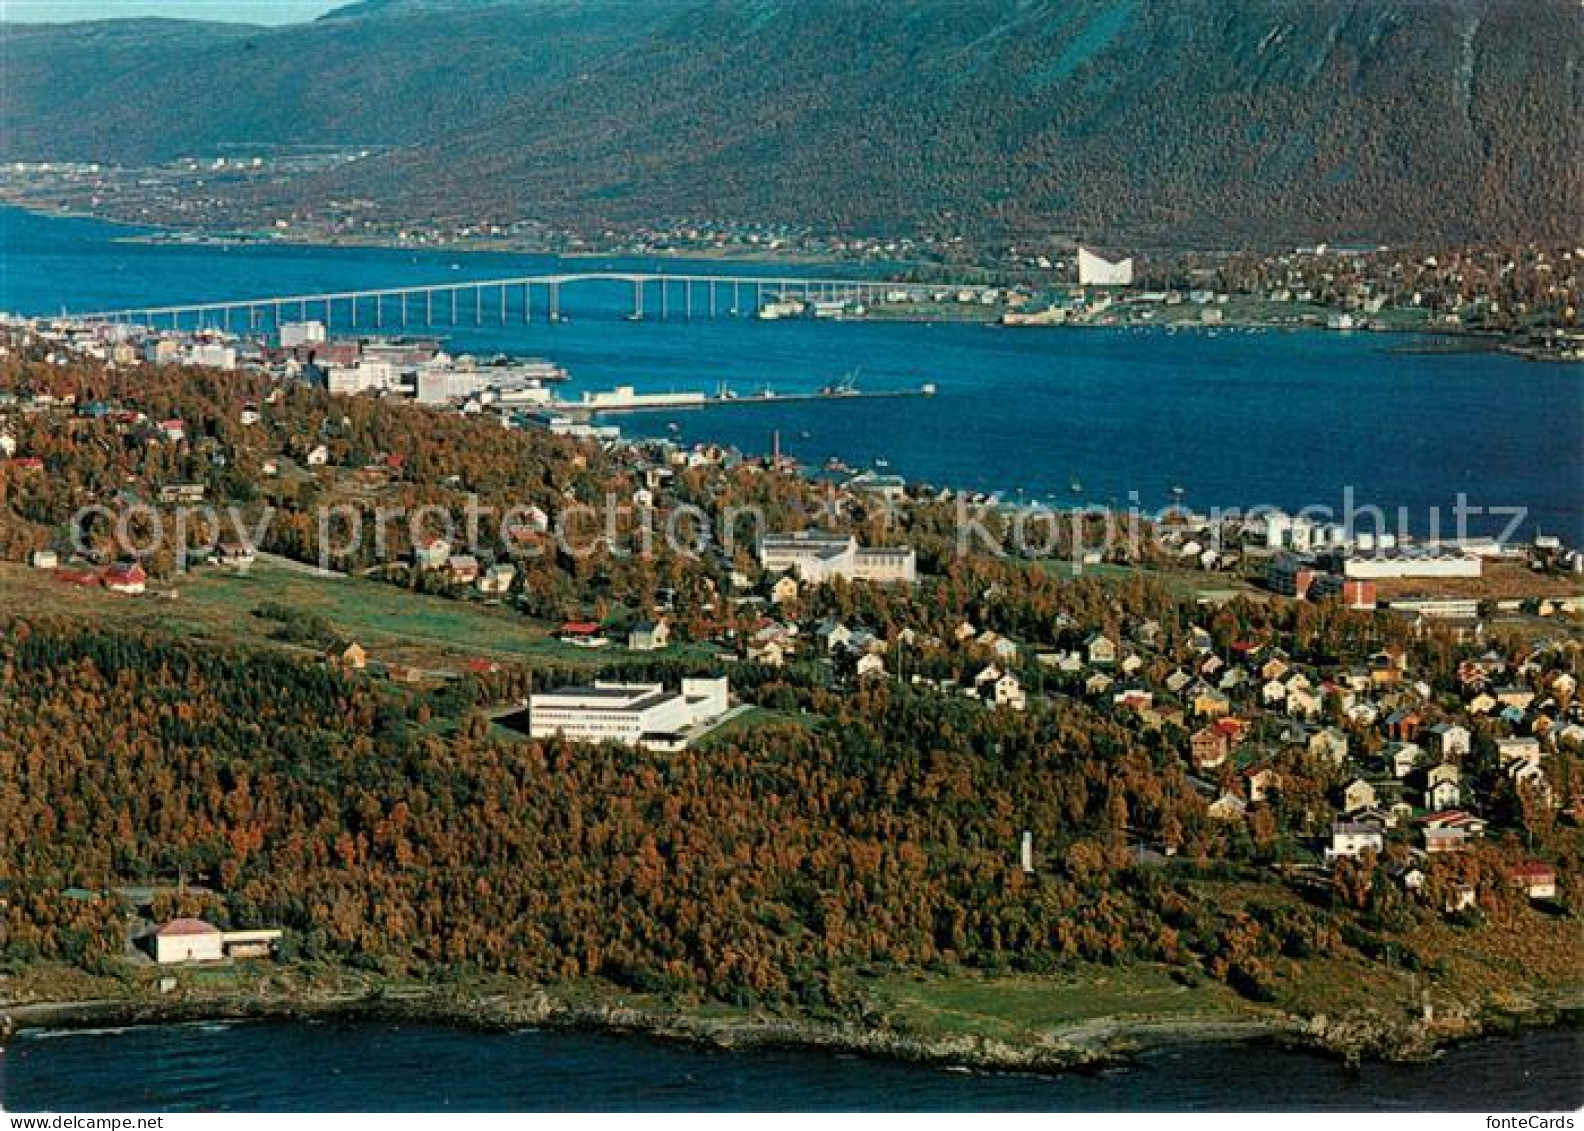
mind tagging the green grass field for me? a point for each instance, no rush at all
(1014, 1007)
(393, 624)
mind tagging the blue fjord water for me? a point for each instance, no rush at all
(1288, 419)
(332, 1066)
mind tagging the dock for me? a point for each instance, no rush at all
(625, 400)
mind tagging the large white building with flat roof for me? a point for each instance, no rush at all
(1095, 271)
(634, 714)
(816, 557)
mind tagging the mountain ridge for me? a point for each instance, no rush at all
(1197, 120)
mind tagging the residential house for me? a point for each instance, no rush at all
(1516, 696)
(1353, 839)
(648, 636)
(1098, 684)
(497, 579)
(1445, 838)
(1228, 807)
(1443, 788)
(871, 665)
(1537, 879)
(126, 577)
(1358, 794)
(431, 553)
(1450, 740)
(1100, 649)
(1210, 702)
(462, 569)
(1261, 782)
(1531, 782)
(1521, 749)
(1400, 758)
(784, 591)
(1210, 747)
(833, 634)
(352, 657)
(1303, 702)
(582, 634)
(1331, 743)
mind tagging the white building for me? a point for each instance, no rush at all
(193, 940)
(294, 334)
(1412, 563)
(634, 714)
(1351, 838)
(816, 557)
(1093, 271)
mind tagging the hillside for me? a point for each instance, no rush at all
(1197, 121)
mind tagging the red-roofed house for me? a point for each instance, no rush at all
(129, 579)
(1538, 879)
(583, 633)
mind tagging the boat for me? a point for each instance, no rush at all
(882, 463)
(1076, 486)
(846, 387)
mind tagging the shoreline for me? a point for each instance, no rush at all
(1084, 1046)
(1440, 340)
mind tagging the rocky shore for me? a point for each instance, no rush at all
(1093, 1044)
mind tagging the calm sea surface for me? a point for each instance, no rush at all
(318, 1067)
(1288, 419)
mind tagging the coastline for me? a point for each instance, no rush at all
(1436, 340)
(1089, 1045)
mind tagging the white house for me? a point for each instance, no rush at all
(1351, 838)
(649, 636)
(193, 940)
(188, 940)
(1450, 740)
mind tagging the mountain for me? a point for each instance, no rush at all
(1205, 121)
(399, 72)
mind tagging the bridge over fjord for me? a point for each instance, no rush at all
(510, 301)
